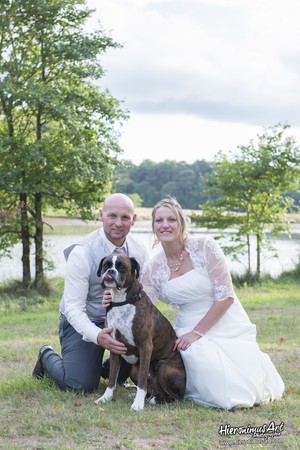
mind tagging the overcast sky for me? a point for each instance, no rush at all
(199, 76)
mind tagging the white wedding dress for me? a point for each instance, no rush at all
(225, 368)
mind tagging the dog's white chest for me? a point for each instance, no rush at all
(121, 318)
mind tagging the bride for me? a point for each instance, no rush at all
(225, 367)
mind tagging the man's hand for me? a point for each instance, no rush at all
(106, 341)
(107, 298)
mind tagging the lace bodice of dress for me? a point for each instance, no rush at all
(206, 257)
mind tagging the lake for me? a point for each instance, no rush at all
(288, 254)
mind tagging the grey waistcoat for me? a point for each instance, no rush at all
(96, 249)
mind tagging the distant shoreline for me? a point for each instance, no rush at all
(143, 222)
(54, 221)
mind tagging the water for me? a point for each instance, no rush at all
(287, 249)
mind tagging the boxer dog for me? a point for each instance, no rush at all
(157, 370)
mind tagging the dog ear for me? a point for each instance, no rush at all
(135, 267)
(100, 267)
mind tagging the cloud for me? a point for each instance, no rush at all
(236, 60)
(181, 137)
(216, 60)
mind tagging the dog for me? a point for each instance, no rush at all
(157, 370)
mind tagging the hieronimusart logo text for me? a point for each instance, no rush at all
(271, 429)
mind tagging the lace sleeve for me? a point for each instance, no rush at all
(147, 282)
(218, 271)
(154, 275)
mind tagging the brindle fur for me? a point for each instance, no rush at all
(159, 370)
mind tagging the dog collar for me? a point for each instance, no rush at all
(131, 300)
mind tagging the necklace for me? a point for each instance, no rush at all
(176, 267)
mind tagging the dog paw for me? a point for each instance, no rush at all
(152, 401)
(139, 401)
(129, 385)
(106, 397)
(136, 406)
(102, 399)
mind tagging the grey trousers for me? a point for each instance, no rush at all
(79, 368)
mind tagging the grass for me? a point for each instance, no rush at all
(37, 415)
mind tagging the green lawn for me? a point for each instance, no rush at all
(36, 415)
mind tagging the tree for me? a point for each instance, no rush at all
(58, 141)
(248, 188)
(153, 180)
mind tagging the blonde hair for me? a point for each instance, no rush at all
(175, 207)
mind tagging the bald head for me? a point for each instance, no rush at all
(117, 216)
(118, 199)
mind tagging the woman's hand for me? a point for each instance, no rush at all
(186, 340)
(107, 298)
(214, 314)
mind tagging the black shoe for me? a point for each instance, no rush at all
(38, 371)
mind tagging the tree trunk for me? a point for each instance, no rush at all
(38, 237)
(258, 249)
(249, 253)
(25, 237)
(38, 240)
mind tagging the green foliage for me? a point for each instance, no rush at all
(58, 142)
(291, 275)
(188, 182)
(151, 181)
(137, 201)
(248, 190)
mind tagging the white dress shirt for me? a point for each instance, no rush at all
(81, 303)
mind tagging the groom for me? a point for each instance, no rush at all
(82, 333)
